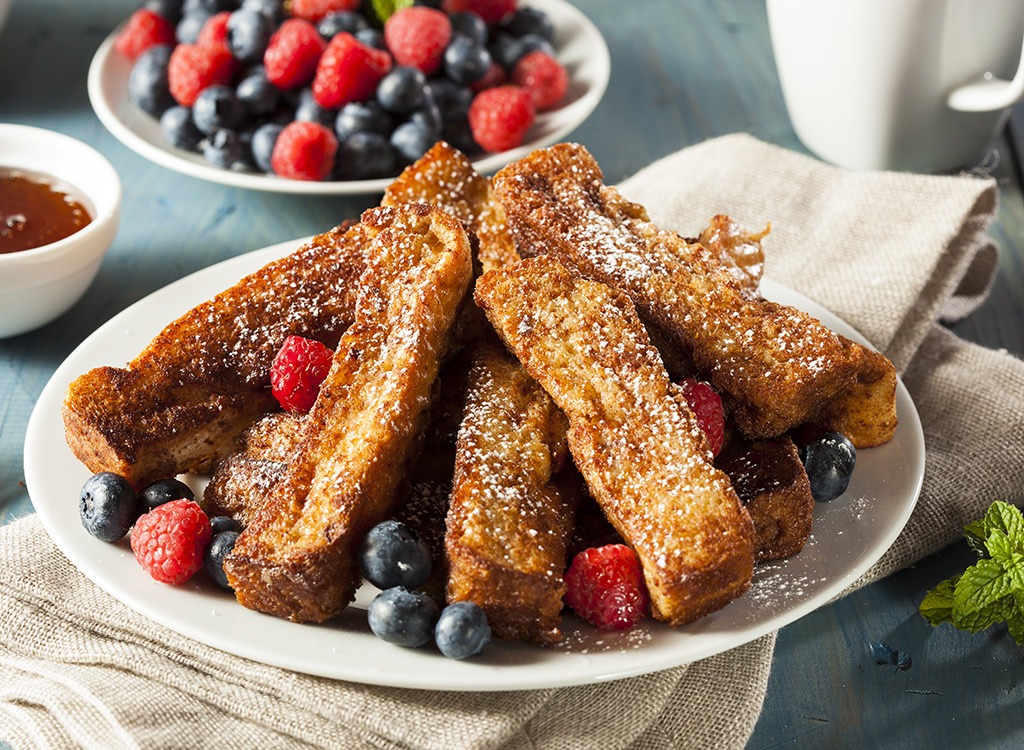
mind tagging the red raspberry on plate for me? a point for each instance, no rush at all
(543, 76)
(495, 76)
(605, 586)
(499, 117)
(169, 540)
(348, 71)
(292, 53)
(214, 32)
(491, 11)
(144, 29)
(299, 368)
(417, 37)
(706, 405)
(315, 10)
(193, 68)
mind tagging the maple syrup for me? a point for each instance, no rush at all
(36, 209)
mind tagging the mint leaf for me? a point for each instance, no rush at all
(385, 8)
(1005, 551)
(937, 605)
(974, 533)
(1015, 620)
(981, 584)
(1008, 519)
(977, 620)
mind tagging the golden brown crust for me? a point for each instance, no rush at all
(639, 447)
(508, 522)
(776, 366)
(297, 558)
(771, 482)
(183, 403)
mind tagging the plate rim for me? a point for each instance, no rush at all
(455, 676)
(575, 114)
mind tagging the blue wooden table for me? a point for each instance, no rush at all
(682, 71)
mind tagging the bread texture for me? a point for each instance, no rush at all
(777, 367)
(632, 436)
(297, 558)
(184, 402)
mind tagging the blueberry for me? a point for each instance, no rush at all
(462, 630)
(169, 10)
(465, 61)
(163, 491)
(308, 109)
(393, 554)
(208, 6)
(829, 460)
(470, 25)
(108, 506)
(223, 148)
(179, 130)
(272, 10)
(258, 95)
(450, 96)
(248, 34)
(402, 90)
(371, 38)
(413, 139)
(530, 21)
(532, 42)
(365, 156)
(505, 49)
(217, 108)
(429, 116)
(224, 523)
(362, 117)
(341, 21)
(402, 617)
(187, 30)
(262, 145)
(213, 556)
(459, 134)
(147, 81)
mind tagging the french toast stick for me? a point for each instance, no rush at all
(508, 520)
(297, 558)
(632, 436)
(184, 401)
(776, 367)
(771, 482)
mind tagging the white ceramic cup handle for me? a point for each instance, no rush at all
(989, 94)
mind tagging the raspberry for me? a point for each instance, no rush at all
(417, 37)
(706, 405)
(298, 370)
(543, 76)
(491, 11)
(214, 32)
(315, 10)
(348, 71)
(605, 586)
(495, 76)
(193, 68)
(144, 29)
(293, 53)
(499, 117)
(169, 541)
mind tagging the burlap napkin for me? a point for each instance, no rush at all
(889, 253)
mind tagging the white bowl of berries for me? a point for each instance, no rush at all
(297, 101)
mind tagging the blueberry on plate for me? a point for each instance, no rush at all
(531, 21)
(147, 82)
(829, 460)
(465, 61)
(462, 630)
(393, 554)
(362, 117)
(179, 130)
(108, 506)
(272, 10)
(308, 109)
(262, 145)
(258, 95)
(223, 148)
(469, 25)
(403, 617)
(224, 523)
(412, 139)
(371, 38)
(213, 556)
(248, 33)
(163, 491)
(342, 20)
(217, 108)
(402, 90)
(365, 156)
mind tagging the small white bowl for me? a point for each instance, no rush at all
(40, 284)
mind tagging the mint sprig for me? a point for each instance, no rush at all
(384, 9)
(992, 590)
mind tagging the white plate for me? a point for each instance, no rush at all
(581, 49)
(850, 534)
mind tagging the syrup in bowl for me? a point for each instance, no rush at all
(37, 209)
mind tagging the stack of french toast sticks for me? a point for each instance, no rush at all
(506, 381)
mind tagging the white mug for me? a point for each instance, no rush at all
(910, 85)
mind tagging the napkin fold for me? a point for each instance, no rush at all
(890, 253)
